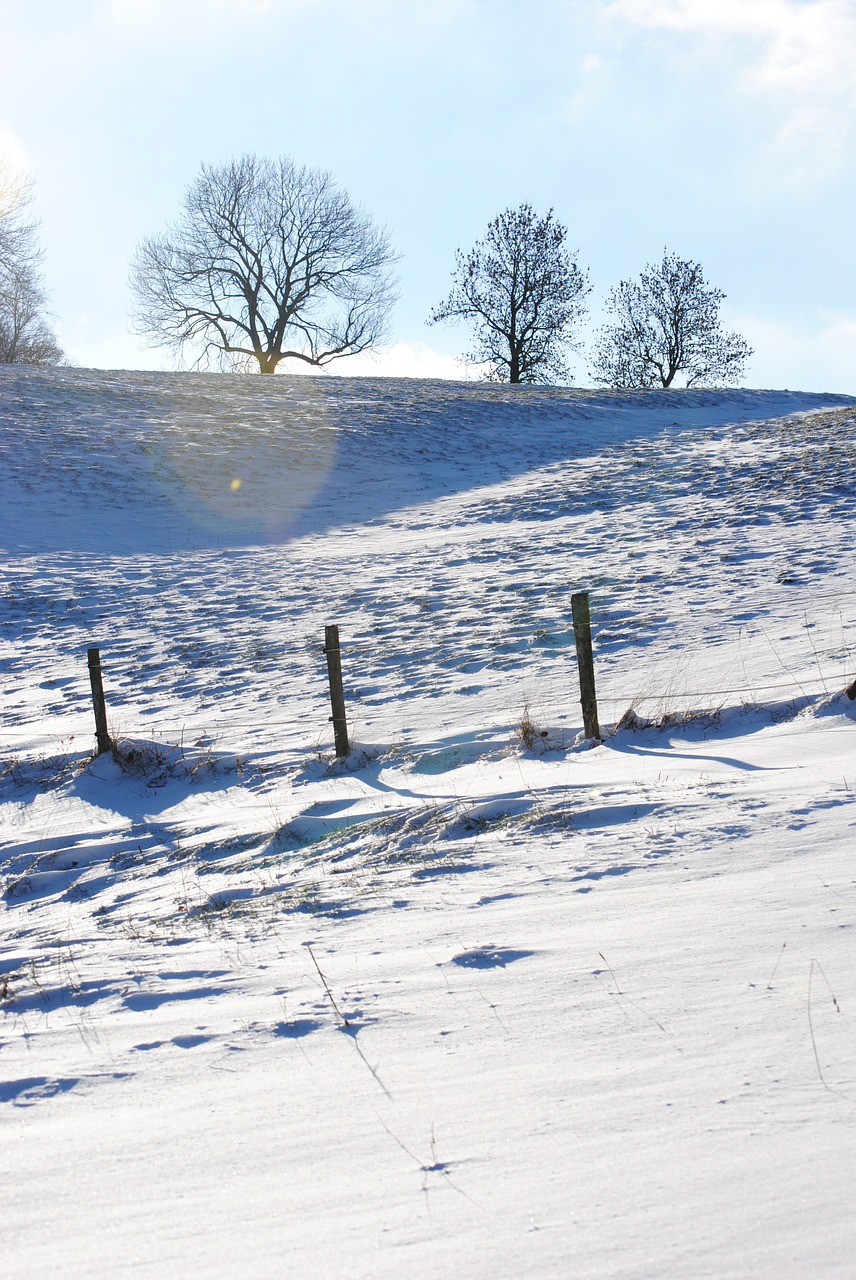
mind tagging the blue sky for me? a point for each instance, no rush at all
(724, 130)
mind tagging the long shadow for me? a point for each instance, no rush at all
(190, 461)
(632, 748)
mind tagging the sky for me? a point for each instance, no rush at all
(721, 130)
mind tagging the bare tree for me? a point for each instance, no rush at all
(668, 324)
(523, 293)
(267, 262)
(25, 335)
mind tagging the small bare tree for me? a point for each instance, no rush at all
(523, 293)
(668, 324)
(268, 261)
(25, 335)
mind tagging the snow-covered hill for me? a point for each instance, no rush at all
(131, 462)
(484, 999)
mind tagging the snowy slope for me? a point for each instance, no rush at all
(136, 462)
(463, 1004)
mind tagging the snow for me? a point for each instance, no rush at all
(455, 1005)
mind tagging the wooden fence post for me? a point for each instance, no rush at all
(585, 662)
(98, 704)
(337, 693)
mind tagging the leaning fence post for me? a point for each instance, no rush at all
(585, 662)
(337, 693)
(98, 704)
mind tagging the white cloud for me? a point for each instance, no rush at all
(405, 360)
(106, 349)
(196, 21)
(13, 153)
(196, 12)
(798, 53)
(813, 355)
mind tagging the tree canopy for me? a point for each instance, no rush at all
(268, 261)
(667, 324)
(523, 294)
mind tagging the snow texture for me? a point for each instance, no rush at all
(484, 998)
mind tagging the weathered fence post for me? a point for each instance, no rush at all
(337, 693)
(585, 662)
(98, 704)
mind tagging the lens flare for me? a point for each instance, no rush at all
(244, 467)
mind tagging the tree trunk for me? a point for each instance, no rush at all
(268, 360)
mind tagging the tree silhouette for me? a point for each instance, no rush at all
(267, 262)
(523, 294)
(667, 323)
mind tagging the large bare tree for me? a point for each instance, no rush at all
(667, 325)
(268, 261)
(25, 335)
(523, 293)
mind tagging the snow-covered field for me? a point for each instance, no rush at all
(485, 999)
